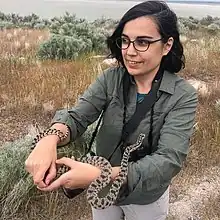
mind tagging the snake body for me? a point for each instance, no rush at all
(105, 178)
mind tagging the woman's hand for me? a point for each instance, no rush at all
(80, 175)
(41, 163)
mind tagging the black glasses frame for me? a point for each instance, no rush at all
(119, 40)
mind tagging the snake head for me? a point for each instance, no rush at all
(141, 138)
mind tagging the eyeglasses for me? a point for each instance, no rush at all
(140, 44)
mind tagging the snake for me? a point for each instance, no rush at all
(104, 178)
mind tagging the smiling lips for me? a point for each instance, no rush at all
(132, 63)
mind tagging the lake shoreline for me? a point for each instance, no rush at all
(94, 9)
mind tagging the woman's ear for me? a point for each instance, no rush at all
(168, 45)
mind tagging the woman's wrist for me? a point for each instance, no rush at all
(52, 138)
(65, 130)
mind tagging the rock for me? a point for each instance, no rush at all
(109, 62)
(200, 86)
(183, 38)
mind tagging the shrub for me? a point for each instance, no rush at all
(9, 21)
(217, 22)
(64, 47)
(6, 25)
(16, 185)
(72, 37)
(213, 29)
(182, 28)
(190, 24)
(206, 20)
(12, 157)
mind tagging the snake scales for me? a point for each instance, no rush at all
(105, 177)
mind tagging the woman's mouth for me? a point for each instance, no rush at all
(133, 64)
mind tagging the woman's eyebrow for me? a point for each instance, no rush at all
(145, 36)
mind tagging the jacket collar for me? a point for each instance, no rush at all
(168, 82)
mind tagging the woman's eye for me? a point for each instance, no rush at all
(124, 40)
(142, 42)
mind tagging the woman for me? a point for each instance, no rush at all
(147, 46)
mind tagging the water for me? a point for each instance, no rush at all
(93, 9)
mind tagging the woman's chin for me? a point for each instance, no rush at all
(134, 72)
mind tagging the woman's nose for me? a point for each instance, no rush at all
(131, 49)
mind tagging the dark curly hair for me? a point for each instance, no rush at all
(166, 21)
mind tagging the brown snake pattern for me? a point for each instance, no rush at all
(105, 178)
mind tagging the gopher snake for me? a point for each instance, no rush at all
(105, 177)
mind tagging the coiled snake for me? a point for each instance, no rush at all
(105, 178)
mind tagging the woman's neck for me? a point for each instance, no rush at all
(144, 82)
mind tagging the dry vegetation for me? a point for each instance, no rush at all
(31, 91)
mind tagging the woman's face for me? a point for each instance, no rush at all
(143, 30)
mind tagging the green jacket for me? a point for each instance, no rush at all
(173, 119)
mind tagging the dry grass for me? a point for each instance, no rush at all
(211, 209)
(33, 90)
(20, 42)
(202, 56)
(54, 83)
(201, 161)
(29, 83)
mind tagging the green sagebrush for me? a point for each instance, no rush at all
(16, 185)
